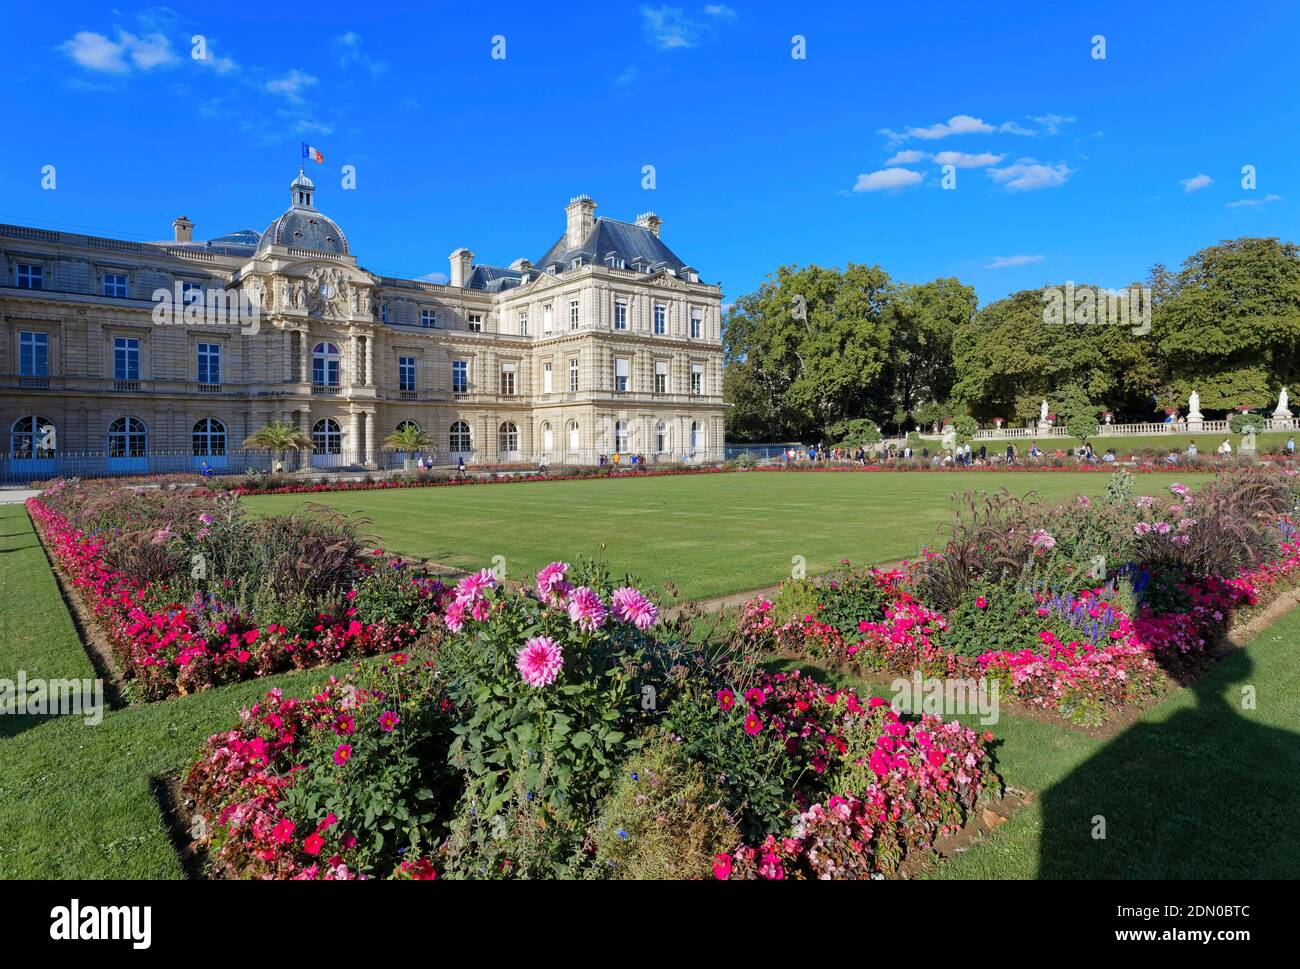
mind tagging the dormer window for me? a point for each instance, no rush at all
(616, 262)
(576, 263)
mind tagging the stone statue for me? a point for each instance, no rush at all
(1194, 405)
(1282, 409)
(1042, 412)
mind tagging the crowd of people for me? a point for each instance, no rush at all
(964, 455)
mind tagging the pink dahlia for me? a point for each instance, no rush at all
(586, 609)
(630, 605)
(342, 753)
(540, 660)
(454, 617)
(388, 720)
(552, 588)
(473, 586)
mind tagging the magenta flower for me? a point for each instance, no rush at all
(552, 588)
(586, 609)
(473, 586)
(342, 753)
(388, 720)
(632, 606)
(540, 660)
(455, 615)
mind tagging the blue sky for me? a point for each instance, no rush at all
(1069, 166)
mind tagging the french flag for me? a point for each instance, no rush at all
(313, 153)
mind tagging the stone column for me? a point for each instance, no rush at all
(353, 449)
(304, 354)
(354, 361)
(371, 450)
(370, 361)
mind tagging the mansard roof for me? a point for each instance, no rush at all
(610, 237)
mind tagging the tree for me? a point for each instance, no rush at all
(1230, 329)
(278, 437)
(1082, 426)
(409, 438)
(965, 427)
(855, 433)
(926, 317)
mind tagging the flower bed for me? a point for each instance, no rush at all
(552, 732)
(1052, 640)
(176, 632)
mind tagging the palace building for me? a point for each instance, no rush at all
(111, 359)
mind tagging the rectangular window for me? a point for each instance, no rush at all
(191, 292)
(697, 378)
(126, 358)
(697, 324)
(29, 277)
(33, 354)
(460, 376)
(661, 376)
(661, 319)
(476, 322)
(546, 318)
(620, 314)
(546, 378)
(507, 379)
(622, 368)
(115, 285)
(429, 319)
(523, 323)
(573, 314)
(573, 375)
(209, 355)
(406, 373)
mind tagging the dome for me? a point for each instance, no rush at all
(302, 227)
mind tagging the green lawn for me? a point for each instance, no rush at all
(1206, 444)
(711, 534)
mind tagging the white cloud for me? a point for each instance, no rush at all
(1196, 183)
(626, 76)
(887, 179)
(1014, 128)
(442, 279)
(96, 52)
(1052, 122)
(291, 85)
(1028, 174)
(351, 54)
(1251, 203)
(1007, 262)
(672, 28)
(958, 124)
(960, 159)
(909, 157)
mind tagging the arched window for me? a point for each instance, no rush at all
(325, 365)
(620, 436)
(128, 437)
(405, 424)
(209, 438)
(460, 440)
(661, 437)
(573, 436)
(697, 436)
(508, 438)
(327, 437)
(548, 438)
(32, 437)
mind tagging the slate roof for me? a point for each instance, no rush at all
(623, 239)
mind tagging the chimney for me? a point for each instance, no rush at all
(581, 211)
(648, 220)
(462, 262)
(183, 229)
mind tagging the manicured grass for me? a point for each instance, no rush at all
(36, 633)
(709, 534)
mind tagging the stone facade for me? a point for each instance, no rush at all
(613, 344)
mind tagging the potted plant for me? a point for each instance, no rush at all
(278, 437)
(409, 439)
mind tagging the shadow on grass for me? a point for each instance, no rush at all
(1205, 792)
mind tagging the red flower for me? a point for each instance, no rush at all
(313, 844)
(753, 725)
(726, 699)
(342, 753)
(722, 866)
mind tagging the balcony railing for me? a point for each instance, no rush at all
(33, 383)
(209, 388)
(128, 386)
(326, 390)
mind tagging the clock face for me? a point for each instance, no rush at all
(326, 291)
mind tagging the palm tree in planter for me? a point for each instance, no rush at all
(278, 437)
(409, 439)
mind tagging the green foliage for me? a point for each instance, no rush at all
(1082, 427)
(664, 818)
(856, 433)
(992, 616)
(965, 426)
(1238, 423)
